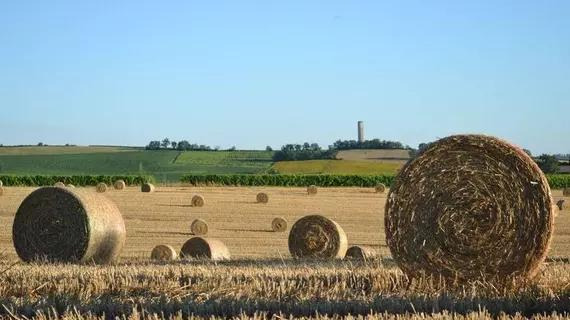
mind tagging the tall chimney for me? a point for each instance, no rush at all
(360, 131)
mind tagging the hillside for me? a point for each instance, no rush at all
(59, 150)
(393, 155)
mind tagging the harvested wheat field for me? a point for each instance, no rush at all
(261, 279)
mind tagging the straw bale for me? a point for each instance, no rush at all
(68, 225)
(380, 188)
(119, 184)
(101, 187)
(279, 225)
(147, 187)
(60, 184)
(262, 197)
(1, 183)
(562, 205)
(199, 227)
(361, 253)
(197, 200)
(470, 208)
(163, 252)
(316, 236)
(69, 185)
(1, 191)
(205, 248)
(312, 189)
(566, 192)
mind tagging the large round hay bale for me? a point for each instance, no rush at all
(380, 187)
(119, 184)
(199, 227)
(205, 248)
(316, 236)
(101, 187)
(64, 225)
(566, 192)
(470, 207)
(262, 197)
(279, 225)
(60, 184)
(147, 187)
(312, 190)
(361, 253)
(197, 200)
(163, 252)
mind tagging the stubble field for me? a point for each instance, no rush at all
(261, 280)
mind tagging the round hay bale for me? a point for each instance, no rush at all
(205, 248)
(562, 205)
(119, 184)
(566, 192)
(60, 184)
(316, 236)
(262, 197)
(470, 208)
(197, 200)
(279, 225)
(380, 188)
(61, 225)
(70, 185)
(1, 191)
(101, 187)
(163, 252)
(1, 183)
(361, 253)
(147, 187)
(312, 190)
(199, 227)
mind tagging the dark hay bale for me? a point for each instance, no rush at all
(205, 248)
(279, 225)
(562, 205)
(566, 192)
(147, 187)
(65, 225)
(119, 184)
(312, 190)
(361, 253)
(380, 188)
(470, 208)
(163, 252)
(262, 197)
(316, 236)
(101, 187)
(197, 201)
(199, 227)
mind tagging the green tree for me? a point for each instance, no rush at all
(268, 148)
(548, 163)
(165, 143)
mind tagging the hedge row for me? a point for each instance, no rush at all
(82, 180)
(556, 181)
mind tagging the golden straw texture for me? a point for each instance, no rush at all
(119, 184)
(380, 188)
(316, 236)
(147, 187)
(361, 253)
(197, 201)
(312, 189)
(470, 208)
(60, 184)
(101, 187)
(262, 197)
(205, 248)
(199, 227)
(279, 225)
(164, 253)
(68, 225)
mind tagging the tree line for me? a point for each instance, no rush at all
(182, 145)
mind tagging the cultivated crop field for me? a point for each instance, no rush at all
(261, 279)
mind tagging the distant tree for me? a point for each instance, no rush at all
(173, 144)
(165, 143)
(183, 145)
(217, 148)
(233, 148)
(548, 163)
(268, 148)
(528, 152)
(153, 145)
(40, 144)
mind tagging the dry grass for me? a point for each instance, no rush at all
(398, 156)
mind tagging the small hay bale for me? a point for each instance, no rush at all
(197, 200)
(316, 236)
(205, 248)
(312, 190)
(1, 183)
(562, 205)
(262, 197)
(470, 208)
(70, 185)
(101, 187)
(147, 187)
(60, 184)
(380, 188)
(61, 225)
(361, 253)
(1, 191)
(279, 225)
(163, 252)
(119, 184)
(199, 227)
(566, 192)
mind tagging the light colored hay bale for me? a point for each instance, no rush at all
(199, 227)
(470, 208)
(65, 225)
(147, 187)
(380, 188)
(70, 185)
(279, 225)
(119, 184)
(163, 252)
(1, 183)
(361, 253)
(566, 192)
(101, 187)
(60, 184)
(1, 191)
(318, 237)
(205, 248)
(262, 197)
(312, 190)
(197, 200)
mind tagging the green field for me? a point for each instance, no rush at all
(262, 159)
(337, 166)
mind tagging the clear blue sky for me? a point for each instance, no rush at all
(257, 73)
